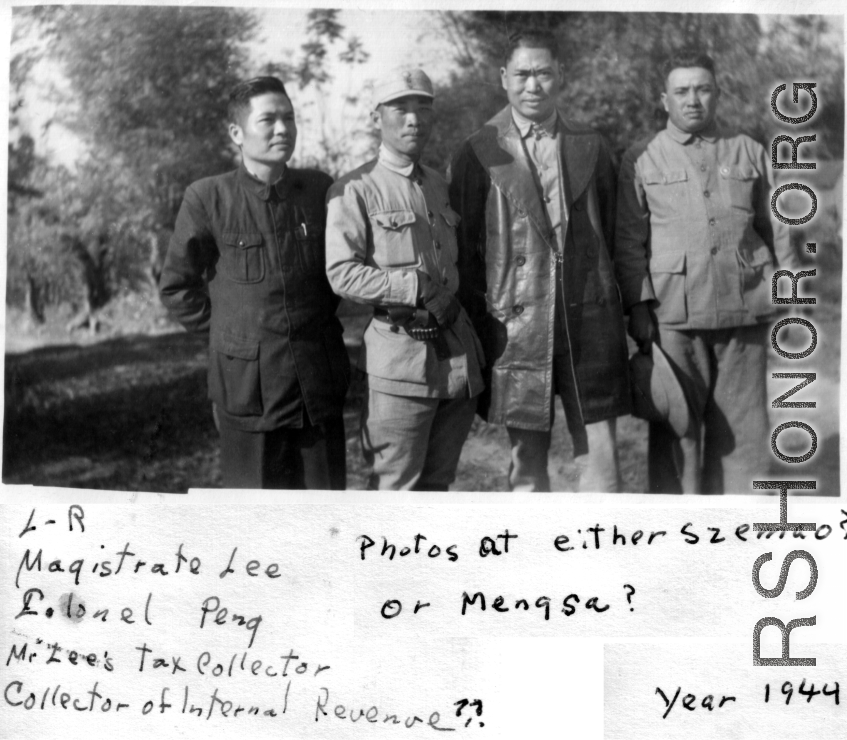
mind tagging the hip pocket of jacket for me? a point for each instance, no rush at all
(394, 239)
(667, 272)
(756, 267)
(234, 381)
(740, 183)
(242, 257)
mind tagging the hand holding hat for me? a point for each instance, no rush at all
(642, 326)
(656, 392)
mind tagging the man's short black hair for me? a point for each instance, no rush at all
(687, 57)
(530, 38)
(244, 92)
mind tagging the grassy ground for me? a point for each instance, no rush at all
(130, 412)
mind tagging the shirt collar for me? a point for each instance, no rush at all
(710, 133)
(395, 163)
(260, 188)
(525, 125)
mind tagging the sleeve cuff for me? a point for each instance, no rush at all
(403, 288)
(638, 292)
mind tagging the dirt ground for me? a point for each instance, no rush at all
(127, 410)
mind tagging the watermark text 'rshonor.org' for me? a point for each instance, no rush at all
(783, 486)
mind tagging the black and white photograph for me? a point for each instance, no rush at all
(384, 370)
(428, 295)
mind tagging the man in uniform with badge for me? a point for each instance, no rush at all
(391, 243)
(695, 251)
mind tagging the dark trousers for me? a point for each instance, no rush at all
(313, 457)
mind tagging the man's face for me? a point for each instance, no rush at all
(532, 80)
(691, 98)
(267, 133)
(405, 124)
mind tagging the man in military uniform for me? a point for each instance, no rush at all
(246, 264)
(536, 194)
(391, 243)
(696, 248)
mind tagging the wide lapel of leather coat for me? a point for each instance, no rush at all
(501, 152)
(579, 151)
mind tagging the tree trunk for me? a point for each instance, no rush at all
(33, 301)
(93, 278)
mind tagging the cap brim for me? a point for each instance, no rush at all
(405, 94)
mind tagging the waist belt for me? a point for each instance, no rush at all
(417, 323)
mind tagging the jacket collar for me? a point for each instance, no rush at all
(263, 189)
(525, 125)
(710, 133)
(501, 152)
(391, 161)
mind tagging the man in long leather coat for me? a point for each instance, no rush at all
(246, 264)
(536, 194)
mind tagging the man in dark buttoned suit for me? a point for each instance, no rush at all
(246, 263)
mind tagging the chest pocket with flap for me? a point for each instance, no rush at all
(242, 257)
(740, 181)
(394, 239)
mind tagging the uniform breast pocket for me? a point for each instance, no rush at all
(667, 195)
(394, 239)
(740, 183)
(242, 257)
(451, 219)
(668, 178)
(310, 246)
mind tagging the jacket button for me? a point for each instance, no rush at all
(706, 193)
(520, 261)
(438, 245)
(518, 310)
(714, 250)
(601, 301)
(430, 214)
(241, 243)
